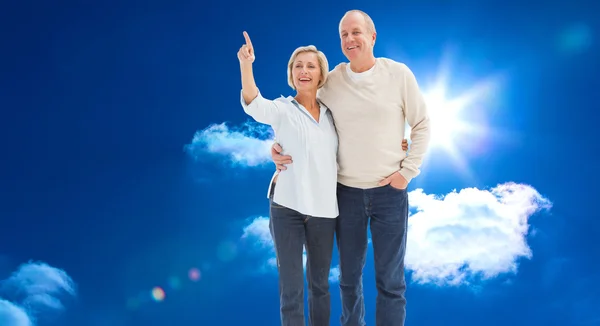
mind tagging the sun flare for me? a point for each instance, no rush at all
(458, 124)
(445, 115)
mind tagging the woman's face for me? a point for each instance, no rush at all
(306, 71)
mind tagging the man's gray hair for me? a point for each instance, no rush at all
(368, 21)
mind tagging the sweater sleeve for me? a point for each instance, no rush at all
(417, 117)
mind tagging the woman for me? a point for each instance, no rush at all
(303, 204)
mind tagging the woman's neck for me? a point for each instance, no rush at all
(308, 100)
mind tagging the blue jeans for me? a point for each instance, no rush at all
(386, 209)
(291, 231)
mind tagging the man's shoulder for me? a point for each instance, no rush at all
(395, 66)
(334, 78)
(324, 106)
(337, 70)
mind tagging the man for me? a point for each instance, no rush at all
(371, 99)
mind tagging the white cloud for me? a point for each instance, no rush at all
(259, 230)
(13, 315)
(248, 145)
(334, 274)
(452, 238)
(34, 289)
(471, 232)
(272, 262)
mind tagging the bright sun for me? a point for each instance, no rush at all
(445, 114)
(454, 128)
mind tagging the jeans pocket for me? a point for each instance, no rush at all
(274, 204)
(397, 189)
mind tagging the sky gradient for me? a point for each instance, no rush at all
(134, 186)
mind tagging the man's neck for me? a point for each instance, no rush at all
(362, 66)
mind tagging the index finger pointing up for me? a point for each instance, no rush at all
(248, 42)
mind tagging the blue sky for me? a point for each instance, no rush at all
(128, 161)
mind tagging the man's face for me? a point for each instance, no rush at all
(357, 40)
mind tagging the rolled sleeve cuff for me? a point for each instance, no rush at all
(408, 174)
(252, 104)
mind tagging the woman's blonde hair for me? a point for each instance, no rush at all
(323, 64)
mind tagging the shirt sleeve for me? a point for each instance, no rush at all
(263, 110)
(417, 116)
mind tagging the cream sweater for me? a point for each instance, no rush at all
(370, 114)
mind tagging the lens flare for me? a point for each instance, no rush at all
(194, 274)
(174, 283)
(158, 294)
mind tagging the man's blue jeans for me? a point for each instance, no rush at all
(386, 209)
(290, 231)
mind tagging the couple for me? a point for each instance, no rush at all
(349, 169)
